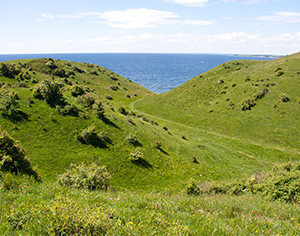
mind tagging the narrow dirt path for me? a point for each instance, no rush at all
(265, 146)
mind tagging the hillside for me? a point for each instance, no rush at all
(175, 163)
(256, 101)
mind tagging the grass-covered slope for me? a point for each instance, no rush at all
(48, 106)
(59, 113)
(89, 116)
(256, 101)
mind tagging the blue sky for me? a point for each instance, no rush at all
(157, 26)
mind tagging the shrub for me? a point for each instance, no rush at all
(246, 105)
(99, 109)
(90, 136)
(60, 73)
(193, 189)
(123, 111)
(93, 72)
(51, 65)
(76, 69)
(261, 93)
(108, 97)
(284, 98)
(68, 109)
(50, 91)
(136, 156)
(132, 139)
(279, 73)
(13, 158)
(282, 183)
(8, 70)
(9, 104)
(77, 90)
(86, 100)
(114, 87)
(91, 177)
(158, 144)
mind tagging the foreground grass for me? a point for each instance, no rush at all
(43, 209)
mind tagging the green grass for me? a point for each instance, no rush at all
(47, 209)
(212, 101)
(192, 122)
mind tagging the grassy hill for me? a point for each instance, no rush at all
(256, 101)
(152, 145)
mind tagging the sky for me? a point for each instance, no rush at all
(150, 26)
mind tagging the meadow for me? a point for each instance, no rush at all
(85, 151)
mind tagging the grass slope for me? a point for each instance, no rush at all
(177, 146)
(214, 102)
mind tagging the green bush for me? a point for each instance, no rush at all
(50, 91)
(123, 111)
(60, 73)
(91, 177)
(136, 156)
(68, 109)
(51, 65)
(282, 183)
(99, 109)
(193, 189)
(284, 98)
(246, 105)
(77, 90)
(13, 158)
(9, 104)
(132, 139)
(114, 87)
(86, 100)
(90, 136)
(261, 93)
(8, 70)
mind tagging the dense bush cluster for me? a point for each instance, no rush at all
(283, 183)
(8, 70)
(50, 91)
(91, 177)
(13, 158)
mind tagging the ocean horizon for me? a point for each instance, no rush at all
(158, 72)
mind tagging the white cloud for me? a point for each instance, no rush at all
(235, 42)
(48, 16)
(196, 22)
(252, 2)
(136, 18)
(282, 17)
(190, 3)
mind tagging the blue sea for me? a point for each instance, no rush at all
(157, 72)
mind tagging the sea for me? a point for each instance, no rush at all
(157, 72)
